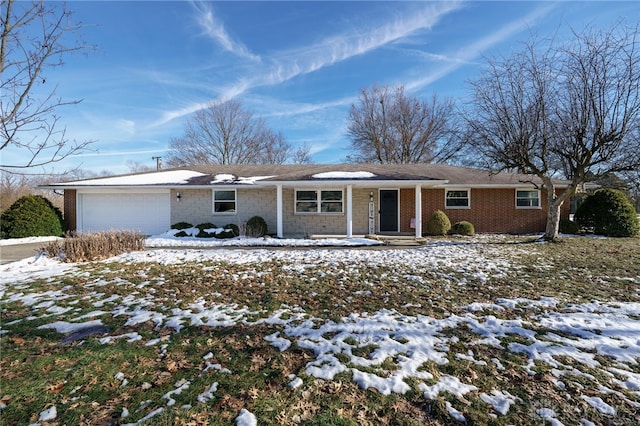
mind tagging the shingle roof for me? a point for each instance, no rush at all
(215, 174)
(383, 172)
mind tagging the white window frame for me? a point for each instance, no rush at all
(318, 201)
(537, 191)
(468, 198)
(213, 202)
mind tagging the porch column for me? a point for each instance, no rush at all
(418, 211)
(349, 211)
(279, 232)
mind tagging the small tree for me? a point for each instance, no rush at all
(557, 109)
(31, 216)
(608, 212)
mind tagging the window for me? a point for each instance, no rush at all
(323, 202)
(457, 199)
(331, 201)
(306, 201)
(224, 201)
(527, 199)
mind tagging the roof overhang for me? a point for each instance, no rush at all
(359, 183)
(315, 183)
(324, 183)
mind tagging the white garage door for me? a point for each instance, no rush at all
(144, 212)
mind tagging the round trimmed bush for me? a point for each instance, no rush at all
(463, 228)
(608, 212)
(31, 216)
(438, 224)
(256, 227)
(568, 227)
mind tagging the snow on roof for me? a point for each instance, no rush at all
(228, 178)
(223, 178)
(155, 178)
(343, 175)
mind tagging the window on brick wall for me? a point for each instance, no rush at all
(319, 202)
(527, 199)
(224, 201)
(457, 199)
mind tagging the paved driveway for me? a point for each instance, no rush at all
(11, 253)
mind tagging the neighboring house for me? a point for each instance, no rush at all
(310, 199)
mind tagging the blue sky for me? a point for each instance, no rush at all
(300, 64)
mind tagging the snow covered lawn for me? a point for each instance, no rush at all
(489, 329)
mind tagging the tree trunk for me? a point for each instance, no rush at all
(553, 221)
(554, 202)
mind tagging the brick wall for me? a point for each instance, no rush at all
(70, 215)
(408, 209)
(301, 225)
(492, 210)
(196, 206)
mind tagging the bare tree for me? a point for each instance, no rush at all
(226, 133)
(387, 126)
(276, 149)
(561, 110)
(302, 154)
(12, 187)
(138, 167)
(35, 36)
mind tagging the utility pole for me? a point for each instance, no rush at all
(158, 163)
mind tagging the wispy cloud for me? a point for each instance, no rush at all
(436, 57)
(481, 46)
(358, 41)
(215, 30)
(101, 153)
(226, 94)
(289, 64)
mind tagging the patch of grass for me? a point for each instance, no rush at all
(81, 378)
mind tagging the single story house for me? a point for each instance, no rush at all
(309, 199)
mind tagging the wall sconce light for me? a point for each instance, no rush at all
(178, 197)
(371, 196)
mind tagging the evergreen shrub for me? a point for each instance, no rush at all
(438, 224)
(463, 228)
(180, 226)
(31, 216)
(231, 230)
(568, 227)
(201, 230)
(608, 212)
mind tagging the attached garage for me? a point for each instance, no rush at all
(147, 212)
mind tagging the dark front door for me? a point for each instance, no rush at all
(388, 210)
